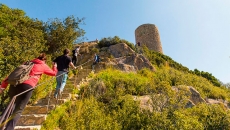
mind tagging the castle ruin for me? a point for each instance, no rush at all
(148, 35)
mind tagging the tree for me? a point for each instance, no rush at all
(21, 38)
(62, 34)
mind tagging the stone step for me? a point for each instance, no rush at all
(30, 120)
(52, 101)
(82, 75)
(69, 84)
(63, 96)
(77, 80)
(37, 109)
(84, 71)
(67, 90)
(33, 127)
(72, 86)
(33, 116)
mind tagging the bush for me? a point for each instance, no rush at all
(106, 42)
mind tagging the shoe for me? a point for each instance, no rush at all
(59, 94)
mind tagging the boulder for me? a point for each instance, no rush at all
(133, 63)
(218, 101)
(195, 96)
(120, 50)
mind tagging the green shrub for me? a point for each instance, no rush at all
(213, 117)
(53, 119)
(106, 42)
(160, 59)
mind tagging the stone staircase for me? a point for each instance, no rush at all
(33, 117)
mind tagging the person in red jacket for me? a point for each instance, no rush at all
(39, 68)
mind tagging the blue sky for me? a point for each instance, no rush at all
(195, 33)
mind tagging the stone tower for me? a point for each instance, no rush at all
(148, 35)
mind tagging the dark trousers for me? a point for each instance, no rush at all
(19, 104)
(74, 60)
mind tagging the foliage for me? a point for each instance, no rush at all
(160, 59)
(44, 87)
(213, 117)
(107, 103)
(52, 121)
(85, 114)
(202, 85)
(106, 42)
(208, 76)
(21, 38)
(62, 34)
(110, 83)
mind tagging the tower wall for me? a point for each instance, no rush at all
(147, 34)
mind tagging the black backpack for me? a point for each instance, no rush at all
(73, 51)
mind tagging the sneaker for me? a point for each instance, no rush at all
(59, 93)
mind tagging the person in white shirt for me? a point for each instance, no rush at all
(75, 54)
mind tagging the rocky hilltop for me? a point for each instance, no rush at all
(122, 57)
(118, 56)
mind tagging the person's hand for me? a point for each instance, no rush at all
(55, 64)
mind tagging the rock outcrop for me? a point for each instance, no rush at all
(120, 50)
(195, 96)
(218, 101)
(127, 60)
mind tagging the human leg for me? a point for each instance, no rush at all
(93, 66)
(59, 81)
(74, 60)
(19, 104)
(63, 82)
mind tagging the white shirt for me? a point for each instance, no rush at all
(77, 51)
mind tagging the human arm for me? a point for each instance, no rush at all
(72, 65)
(49, 71)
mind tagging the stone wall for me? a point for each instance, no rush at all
(147, 34)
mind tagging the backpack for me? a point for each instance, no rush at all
(98, 58)
(73, 51)
(20, 74)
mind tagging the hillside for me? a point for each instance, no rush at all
(125, 94)
(130, 89)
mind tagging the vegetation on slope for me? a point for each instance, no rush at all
(107, 102)
(159, 59)
(106, 42)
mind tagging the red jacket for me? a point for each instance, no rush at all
(38, 69)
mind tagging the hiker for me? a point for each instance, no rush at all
(95, 61)
(63, 62)
(75, 54)
(39, 68)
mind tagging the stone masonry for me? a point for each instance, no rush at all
(147, 34)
